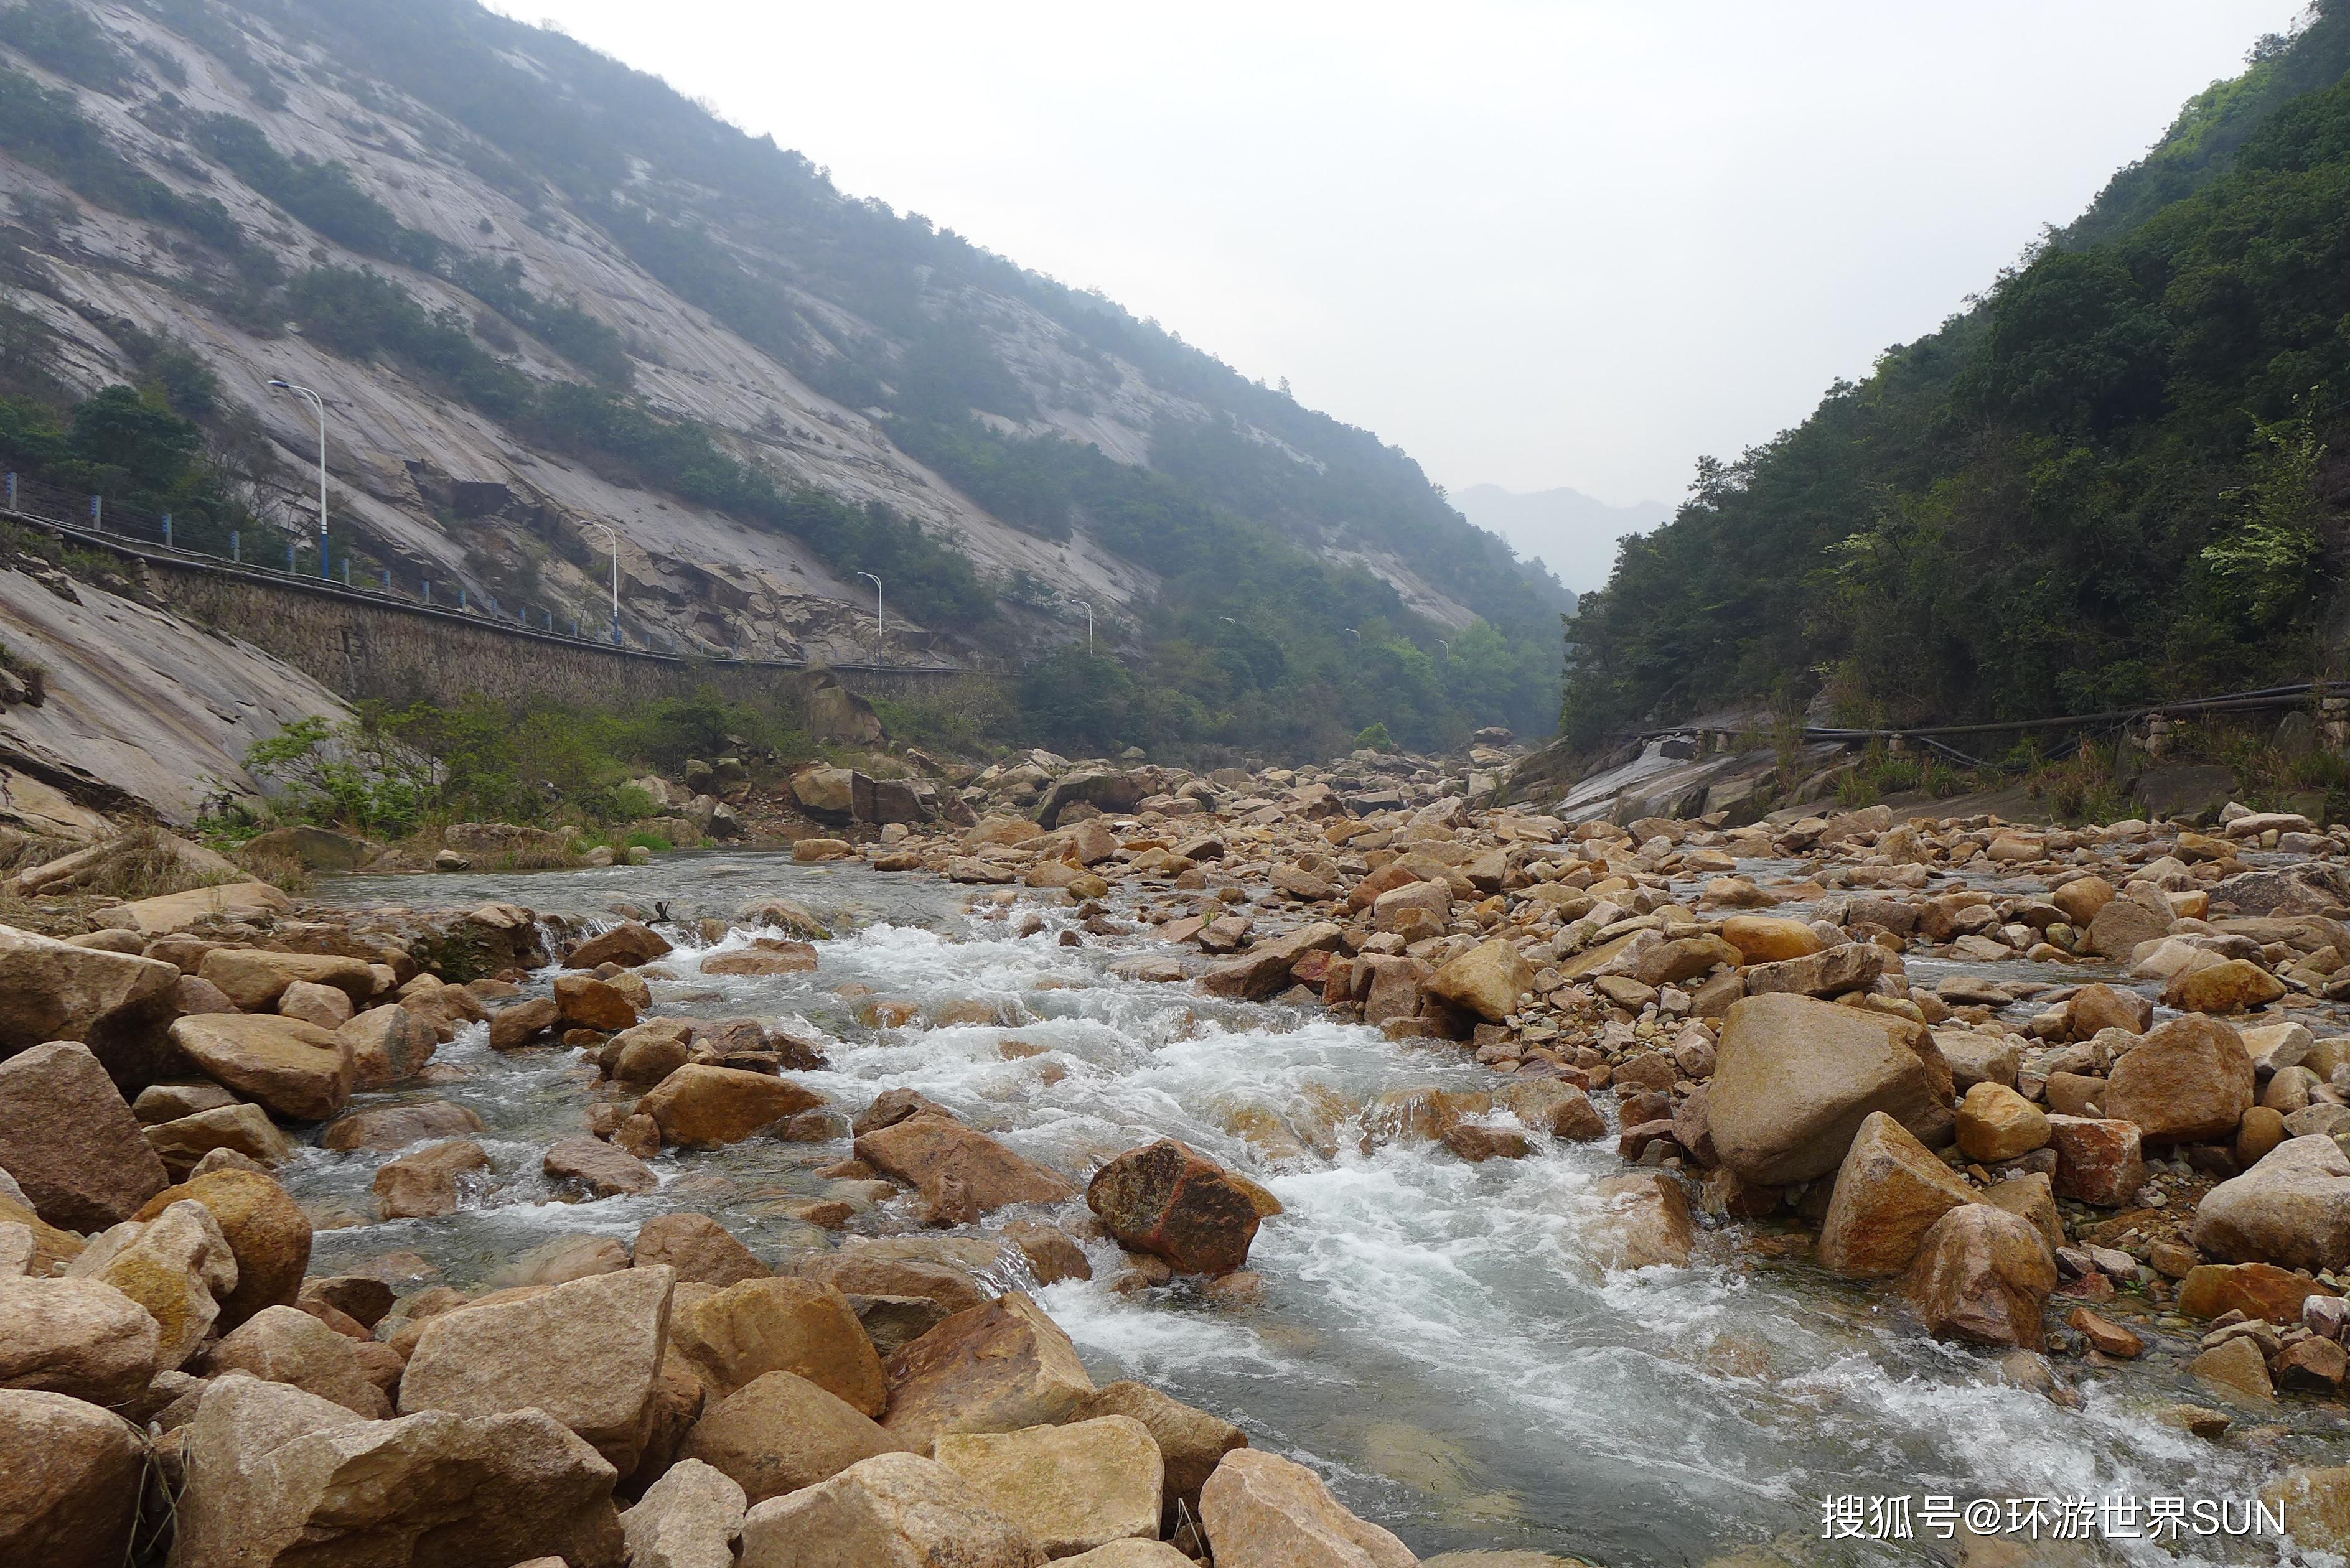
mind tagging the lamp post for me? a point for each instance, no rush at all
(1446, 646)
(319, 403)
(1350, 631)
(881, 649)
(1089, 626)
(613, 535)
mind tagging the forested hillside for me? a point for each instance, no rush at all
(505, 258)
(2119, 476)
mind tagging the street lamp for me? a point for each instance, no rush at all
(613, 535)
(1446, 646)
(1350, 631)
(1089, 626)
(318, 403)
(881, 649)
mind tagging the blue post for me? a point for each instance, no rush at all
(387, 579)
(167, 530)
(12, 491)
(461, 596)
(347, 571)
(427, 590)
(98, 513)
(494, 604)
(289, 556)
(235, 548)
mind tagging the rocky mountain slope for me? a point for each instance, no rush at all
(538, 291)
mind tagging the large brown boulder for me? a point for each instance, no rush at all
(699, 1248)
(428, 1183)
(1890, 1192)
(1831, 971)
(389, 1044)
(1770, 938)
(961, 1171)
(67, 1135)
(1169, 1199)
(1995, 1123)
(383, 1128)
(1487, 980)
(286, 1345)
(2187, 1081)
(1644, 1221)
(690, 1518)
(1073, 1487)
(1261, 1511)
(114, 1003)
(780, 1432)
(78, 1337)
(2292, 1209)
(1191, 1442)
(703, 1104)
(2231, 985)
(602, 1170)
(2098, 1159)
(733, 1337)
(2120, 925)
(177, 1265)
(893, 1511)
(255, 979)
(267, 1230)
(995, 1367)
(1265, 968)
(1795, 1077)
(297, 1070)
(1983, 1275)
(952, 1271)
(2257, 1290)
(279, 1478)
(587, 1353)
(628, 944)
(586, 1002)
(69, 1482)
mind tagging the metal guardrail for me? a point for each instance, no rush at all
(152, 536)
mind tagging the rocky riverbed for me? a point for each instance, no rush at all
(1659, 1193)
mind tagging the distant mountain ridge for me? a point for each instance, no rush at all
(508, 261)
(1573, 534)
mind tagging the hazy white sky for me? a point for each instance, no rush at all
(1571, 243)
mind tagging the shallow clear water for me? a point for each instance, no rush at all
(1433, 1336)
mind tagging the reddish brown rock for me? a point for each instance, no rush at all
(961, 1171)
(1982, 1275)
(2189, 1080)
(1169, 1199)
(2097, 1160)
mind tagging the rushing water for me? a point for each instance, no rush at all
(1433, 1336)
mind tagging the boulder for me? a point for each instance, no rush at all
(628, 944)
(267, 1230)
(1832, 971)
(1554, 1106)
(2097, 1160)
(1978, 1058)
(893, 1511)
(779, 1432)
(1982, 1275)
(2231, 985)
(703, 1104)
(389, 1044)
(521, 1023)
(2292, 1209)
(254, 978)
(381, 1130)
(313, 1003)
(2101, 1006)
(952, 1271)
(700, 1250)
(690, 1518)
(2032, 1196)
(1644, 1221)
(1168, 1199)
(2236, 1371)
(427, 1183)
(995, 1367)
(177, 1265)
(587, 1353)
(824, 791)
(2185, 1082)
(735, 1335)
(603, 1170)
(80, 1337)
(1679, 960)
(1889, 1192)
(1487, 980)
(286, 1345)
(280, 1478)
(71, 1482)
(1073, 1487)
(1110, 791)
(1191, 1442)
(113, 1002)
(1769, 939)
(2257, 1290)
(961, 1171)
(1995, 1123)
(244, 1128)
(2121, 925)
(67, 1137)
(1796, 1077)
(297, 1070)
(2080, 899)
(1261, 1511)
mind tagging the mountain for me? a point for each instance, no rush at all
(2119, 476)
(542, 294)
(1573, 534)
